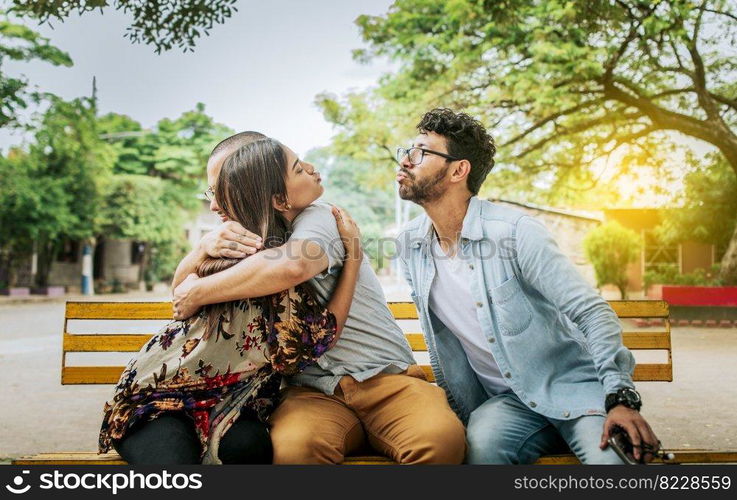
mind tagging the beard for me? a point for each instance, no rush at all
(423, 191)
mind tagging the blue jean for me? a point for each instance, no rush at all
(504, 430)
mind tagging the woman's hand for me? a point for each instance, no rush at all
(184, 304)
(349, 233)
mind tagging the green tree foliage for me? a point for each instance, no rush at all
(707, 206)
(85, 177)
(611, 248)
(564, 85)
(27, 207)
(20, 43)
(163, 24)
(57, 188)
(158, 174)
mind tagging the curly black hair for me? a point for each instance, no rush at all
(467, 139)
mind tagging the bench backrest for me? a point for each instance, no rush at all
(107, 340)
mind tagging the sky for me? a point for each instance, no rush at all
(260, 70)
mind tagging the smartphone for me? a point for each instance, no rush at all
(620, 443)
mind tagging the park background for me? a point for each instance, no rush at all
(616, 123)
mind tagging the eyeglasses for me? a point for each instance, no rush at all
(209, 194)
(416, 155)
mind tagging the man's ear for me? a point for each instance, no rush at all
(280, 203)
(460, 171)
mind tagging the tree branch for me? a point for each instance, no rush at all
(712, 111)
(554, 116)
(611, 117)
(721, 13)
(664, 118)
(732, 103)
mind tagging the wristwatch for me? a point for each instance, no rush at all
(626, 397)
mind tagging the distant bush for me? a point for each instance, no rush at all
(670, 276)
(610, 248)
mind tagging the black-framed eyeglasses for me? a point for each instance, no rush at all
(416, 155)
(209, 194)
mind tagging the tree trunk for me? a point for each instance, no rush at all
(622, 290)
(46, 254)
(728, 270)
(728, 266)
(143, 275)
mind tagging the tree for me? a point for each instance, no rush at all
(22, 204)
(611, 248)
(565, 85)
(56, 188)
(20, 43)
(157, 176)
(162, 24)
(145, 209)
(707, 206)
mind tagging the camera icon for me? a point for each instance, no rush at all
(18, 488)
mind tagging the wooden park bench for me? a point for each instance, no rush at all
(111, 341)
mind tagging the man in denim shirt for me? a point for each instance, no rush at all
(530, 356)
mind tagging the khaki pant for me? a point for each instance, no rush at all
(401, 416)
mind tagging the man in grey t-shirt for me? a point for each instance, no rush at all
(366, 390)
(371, 342)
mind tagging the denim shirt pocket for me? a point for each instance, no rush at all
(512, 307)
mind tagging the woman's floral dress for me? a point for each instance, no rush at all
(212, 379)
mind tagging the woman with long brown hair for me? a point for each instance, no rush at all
(201, 390)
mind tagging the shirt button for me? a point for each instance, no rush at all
(566, 414)
(492, 340)
(479, 304)
(532, 404)
(509, 375)
(470, 266)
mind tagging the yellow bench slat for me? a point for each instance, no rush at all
(623, 308)
(632, 340)
(92, 458)
(124, 342)
(403, 310)
(400, 310)
(132, 342)
(416, 342)
(111, 374)
(653, 372)
(646, 340)
(119, 310)
(640, 308)
(71, 458)
(90, 374)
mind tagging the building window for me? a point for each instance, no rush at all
(69, 252)
(137, 249)
(659, 257)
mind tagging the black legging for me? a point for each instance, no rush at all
(171, 439)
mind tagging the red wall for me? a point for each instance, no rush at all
(700, 295)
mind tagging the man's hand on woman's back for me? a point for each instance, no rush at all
(230, 240)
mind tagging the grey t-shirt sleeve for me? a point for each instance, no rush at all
(317, 224)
